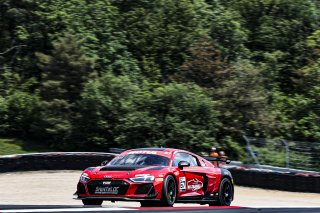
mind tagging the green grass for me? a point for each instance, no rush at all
(9, 146)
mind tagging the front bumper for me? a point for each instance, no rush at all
(117, 198)
(125, 190)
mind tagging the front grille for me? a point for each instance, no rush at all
(145, 189)
(81, 189)
(107, 187)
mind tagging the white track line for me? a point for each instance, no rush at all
(66, 210)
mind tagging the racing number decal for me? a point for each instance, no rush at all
(182, 181)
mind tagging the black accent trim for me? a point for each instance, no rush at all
(205, 183)
(147, 198)
(122, 168)
(145, 189)
(155, 168)
(122, 186)
(81, 188)
(190, 198)
(205, 200)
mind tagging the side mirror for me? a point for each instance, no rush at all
(103, 163)
(228, 161)
(182, 164)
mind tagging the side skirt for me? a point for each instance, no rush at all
(198, 199)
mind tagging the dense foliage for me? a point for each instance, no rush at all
(89, 75)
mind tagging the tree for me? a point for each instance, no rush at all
(243, 103)
(104, 101)
(18, 102)
(97, 23)
(277, 31)
(205, 67)
(65, 72)
(159, 33)
(173, 115)
(229, 33)
(305, 110)
(116, 112)
(19, 36)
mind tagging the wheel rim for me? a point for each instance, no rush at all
(171, 193)
(227, 193)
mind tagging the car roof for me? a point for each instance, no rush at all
(150, 149)
(167, 152)
(157, 149)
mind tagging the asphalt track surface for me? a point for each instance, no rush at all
(51, 191)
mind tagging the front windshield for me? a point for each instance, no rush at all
(140, 159)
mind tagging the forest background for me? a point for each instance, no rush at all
(87, 75)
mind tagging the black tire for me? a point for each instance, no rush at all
(92, 202)
(169, 191)
(226, 192)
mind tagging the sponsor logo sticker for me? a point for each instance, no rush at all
(107, 190)
(143, 152)
(194, 184)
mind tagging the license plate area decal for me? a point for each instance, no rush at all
(112, 190)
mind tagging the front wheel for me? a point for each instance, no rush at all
(225, 196)
(92, 202)
(169, 191)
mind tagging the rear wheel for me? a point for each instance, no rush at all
(95, 202)
(169, 191)
(225, 196)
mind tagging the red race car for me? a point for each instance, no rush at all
(157, 177)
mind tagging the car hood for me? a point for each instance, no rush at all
(121, 172)
(121, 168)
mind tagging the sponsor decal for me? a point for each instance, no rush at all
(182, 183)
(106, 182)
(143, 152)
(107, 190)
(107, 176)
(194, 184)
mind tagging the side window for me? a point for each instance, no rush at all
(203, 163)
(181, 156)
(194, 161)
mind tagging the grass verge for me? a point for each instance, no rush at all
(10, 146)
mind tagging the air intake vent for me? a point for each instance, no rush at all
(145, 189)
(81, 189)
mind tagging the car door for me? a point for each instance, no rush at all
(191, 181)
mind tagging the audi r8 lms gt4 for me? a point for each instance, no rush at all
(157, 177)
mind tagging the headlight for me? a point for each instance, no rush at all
(142, 178)
(84, 177)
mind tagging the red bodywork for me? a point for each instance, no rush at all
(194, 183)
